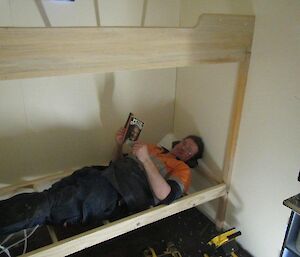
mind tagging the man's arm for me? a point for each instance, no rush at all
(118, 149)
(160, 187)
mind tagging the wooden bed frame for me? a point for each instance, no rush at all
(217, 38)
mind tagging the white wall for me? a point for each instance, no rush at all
(204, 97)
(268, 152)
(267, 159)
(50, 124)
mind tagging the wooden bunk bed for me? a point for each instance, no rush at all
(37, 52)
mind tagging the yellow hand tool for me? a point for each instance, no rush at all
(223, 245)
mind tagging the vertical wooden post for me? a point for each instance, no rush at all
(233, 135)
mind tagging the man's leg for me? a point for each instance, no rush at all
(23, 211)
(84, 197)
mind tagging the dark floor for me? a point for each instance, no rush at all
(188, 230)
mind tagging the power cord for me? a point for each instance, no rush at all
(3, 242)
(6, 239)
(25, 243)
(6, 249)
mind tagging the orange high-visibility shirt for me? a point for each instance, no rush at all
(176, 169)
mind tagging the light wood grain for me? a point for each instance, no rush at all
(114, 229)
(236, 118)
(233, 133)
(36, 52)
(32, 183)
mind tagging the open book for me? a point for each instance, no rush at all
(133, 129)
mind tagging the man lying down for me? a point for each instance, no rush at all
(150, 175)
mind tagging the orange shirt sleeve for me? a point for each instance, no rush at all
(181, 172)
(178, 170)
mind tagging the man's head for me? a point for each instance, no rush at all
(189, 149)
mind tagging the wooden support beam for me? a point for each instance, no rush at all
(233, 135)
(236, 118)
(36, 52)
(114, 229)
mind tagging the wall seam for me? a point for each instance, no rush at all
(176, 73)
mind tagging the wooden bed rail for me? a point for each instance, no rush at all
(119, 227)
(114, 229)
(38, 52)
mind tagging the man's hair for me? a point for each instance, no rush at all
(199, 142)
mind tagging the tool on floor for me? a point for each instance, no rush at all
(171, 251)
(223, 245)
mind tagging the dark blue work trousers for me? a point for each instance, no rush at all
(89, 194)
(84, 196)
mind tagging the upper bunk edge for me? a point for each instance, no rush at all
(38, 52)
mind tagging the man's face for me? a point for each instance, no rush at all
(185, 150)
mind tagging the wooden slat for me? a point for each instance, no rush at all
(114, 229)
(32, 183)
(52, 234)
(36, 52)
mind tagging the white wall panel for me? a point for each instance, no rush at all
(204, 97)
(121, 12)
(192, 9)
(25, 14)
(12, 112)
(67, 14)
(162, 13)
(71, 101)
(5, 13)
(13, 130)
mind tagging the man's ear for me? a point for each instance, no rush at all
(175, 143)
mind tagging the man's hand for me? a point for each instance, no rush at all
(140, 150)
(119, 137)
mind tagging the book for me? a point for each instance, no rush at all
(133, 127)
